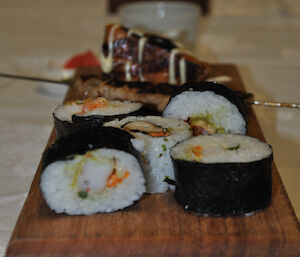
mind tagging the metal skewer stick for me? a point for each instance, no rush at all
(69, 83)
(63, 82)
(274, 104)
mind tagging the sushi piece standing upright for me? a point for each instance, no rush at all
(223, 174)
(92, 172)
(209, 108)
(154, 137)
(78, 115)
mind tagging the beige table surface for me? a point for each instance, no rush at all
(261, 37)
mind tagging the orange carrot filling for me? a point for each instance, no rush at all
(160, 134)
(92, 104)
(113, 180)
(197, 150)
(88, 155)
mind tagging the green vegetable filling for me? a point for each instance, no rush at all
(232, 148)
(206, 121)
(164, 148)
(83, 194)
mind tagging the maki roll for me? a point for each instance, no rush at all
(209, 108)
(92, 172)
(223, 174)
(154, 136)
(79, 115)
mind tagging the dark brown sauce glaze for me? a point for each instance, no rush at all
(124, 28)
(158, 41)
(161, 42)
(143, 87)
(105, 48)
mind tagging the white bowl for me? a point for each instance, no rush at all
(175, 20)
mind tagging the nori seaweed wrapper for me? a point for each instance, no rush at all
(223, 189)
(219, 89)
(81, 123)
(65, 148)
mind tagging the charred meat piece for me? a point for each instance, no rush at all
(89, 83)
(130, 55)
(146, 128)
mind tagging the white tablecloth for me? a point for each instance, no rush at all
(261, 37)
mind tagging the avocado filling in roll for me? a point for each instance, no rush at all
(209, 108)
(204, 125)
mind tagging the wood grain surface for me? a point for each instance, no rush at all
(156, 225)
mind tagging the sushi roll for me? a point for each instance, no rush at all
(79, 115)
(92, 172)
(154, 136)
(209, 108)
(223, 174)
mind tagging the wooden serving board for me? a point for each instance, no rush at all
(156, 225)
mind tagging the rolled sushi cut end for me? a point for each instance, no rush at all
(102, 180)
(154, 137)
(77, 115)
(92, 171)
(209, 108)
(223, 174)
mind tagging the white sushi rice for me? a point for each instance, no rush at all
(222, 112)
(64, 112)
(60, 193)
(222, 148)
(155, 151)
